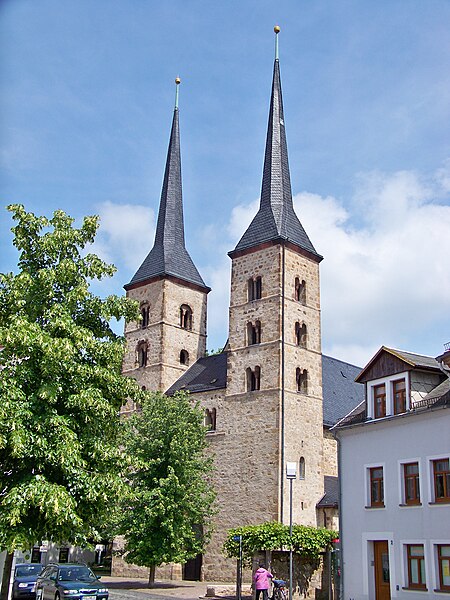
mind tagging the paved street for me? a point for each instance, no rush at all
(121, 588)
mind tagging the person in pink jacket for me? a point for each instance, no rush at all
(261, 581)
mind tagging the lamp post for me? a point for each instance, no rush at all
(291, 474)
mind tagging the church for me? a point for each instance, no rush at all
(270, 397)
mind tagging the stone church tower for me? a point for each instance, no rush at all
(171, 293)
(274, 374)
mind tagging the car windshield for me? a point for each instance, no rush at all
(26, 570)
(76, 574)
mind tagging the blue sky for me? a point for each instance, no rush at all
(87, 91)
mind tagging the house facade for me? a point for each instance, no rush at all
(395, 480)
(270, 397)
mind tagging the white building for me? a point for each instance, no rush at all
(395, 480)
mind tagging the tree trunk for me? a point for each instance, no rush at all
(151, 577)
(6, 578)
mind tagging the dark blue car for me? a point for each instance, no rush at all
(71, 580)
(24, 584)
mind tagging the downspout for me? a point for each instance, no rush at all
(341, 545)
(283, 269)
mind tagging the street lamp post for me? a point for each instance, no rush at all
(291, 474)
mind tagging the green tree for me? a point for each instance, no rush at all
(61, 387)
(167, 514)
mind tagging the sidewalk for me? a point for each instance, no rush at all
(124, 588)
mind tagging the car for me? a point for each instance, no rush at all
(24, 582)
(69, 580)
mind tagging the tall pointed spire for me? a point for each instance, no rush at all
(169, 255)
(276, 218)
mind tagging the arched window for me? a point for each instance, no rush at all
(184, 357)
(210, 419)
(186, 317)
(301, 470)
(254, 288)
(300, 335)
(253, 333)
(253, 379)
(145, 315)
(302, 380)
(142, 354)
(300, 290)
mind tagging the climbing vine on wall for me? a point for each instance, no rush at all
(309, 542)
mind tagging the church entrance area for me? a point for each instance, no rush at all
(192, 569)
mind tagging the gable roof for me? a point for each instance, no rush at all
(340, 392)
(410, 359)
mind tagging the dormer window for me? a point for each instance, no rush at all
(388, 396)
(399, 395)
(379, 401)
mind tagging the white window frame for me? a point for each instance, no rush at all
(401, 482)
(430, 477)
(367, 496)
(434, 562)
(389, 383)
(404, 564)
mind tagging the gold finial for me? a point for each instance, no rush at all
(277, 29)
(177, 81)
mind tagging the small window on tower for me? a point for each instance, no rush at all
(210, 419)
(254, 288)
(142, 354)
(301, 471)
(300, 290)
(186, 317)
(184, 357)
(253, 379)
(254, 333)
(302, 380)
(300, 335)
(145, 315)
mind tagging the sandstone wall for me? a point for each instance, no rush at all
(164, 336)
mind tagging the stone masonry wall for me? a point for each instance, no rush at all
(330, 466)
(164, 335)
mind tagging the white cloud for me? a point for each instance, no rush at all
(384, 280)
(126, 233)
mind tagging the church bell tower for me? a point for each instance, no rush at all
(172, 296)
(274, 381)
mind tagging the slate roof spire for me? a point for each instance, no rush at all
(169, 255)
(276, 219)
